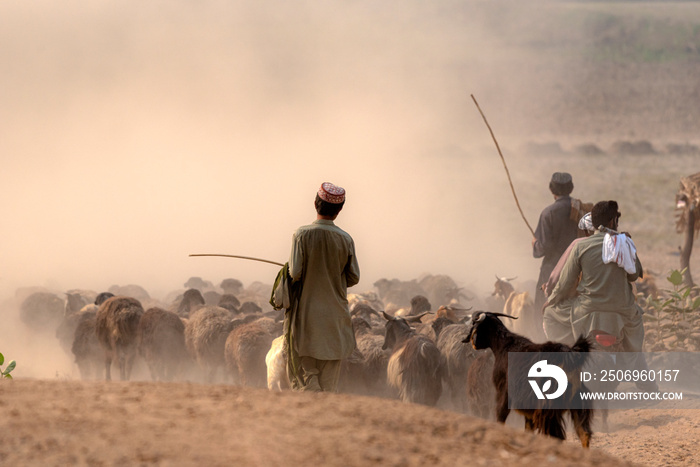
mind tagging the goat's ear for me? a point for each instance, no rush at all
(387, 317)
(478, 316)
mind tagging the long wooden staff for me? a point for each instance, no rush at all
(504, 165)
(242, 257)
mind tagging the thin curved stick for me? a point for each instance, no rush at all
(504, 165)
(243, 257)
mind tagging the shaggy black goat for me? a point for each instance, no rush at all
(414, 366)
(487, 331)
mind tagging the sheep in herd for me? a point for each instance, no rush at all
(211, 297)
(414, 366)
(161, 343)
(86, 348)
(42, 311)
(65, 332)
(246, 349)
(131, 290)
(397, 292)
(487, 331)
(230, 302)
(116, 326)
(192, 300)
(231, 286)
(205, 336)
(442, 289)
(84, 344)
(249, 307)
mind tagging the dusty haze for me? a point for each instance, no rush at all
(133, 134)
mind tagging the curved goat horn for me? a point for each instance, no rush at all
(416, 318)
(503, 314)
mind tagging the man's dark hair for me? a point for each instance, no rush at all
(325, 208)
(603, 212)
(561, 189)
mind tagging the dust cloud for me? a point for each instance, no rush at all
(135, 134)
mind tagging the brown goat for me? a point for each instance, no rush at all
(529, 323)
(205, 336)
(502, 287)
(116, 327)
(246, 348)
(161, 342)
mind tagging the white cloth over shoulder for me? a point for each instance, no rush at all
(620, 249)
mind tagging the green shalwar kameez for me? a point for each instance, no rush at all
(323, 259)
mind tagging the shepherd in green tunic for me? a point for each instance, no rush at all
(323, 261)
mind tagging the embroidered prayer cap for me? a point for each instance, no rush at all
(331, 193)
(585, 223)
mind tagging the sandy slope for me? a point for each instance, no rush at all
(53, 422)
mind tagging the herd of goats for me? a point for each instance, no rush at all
(415, 342)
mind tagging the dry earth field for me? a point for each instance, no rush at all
(630, 75)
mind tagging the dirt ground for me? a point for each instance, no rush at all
(63, 422)
(142, 423)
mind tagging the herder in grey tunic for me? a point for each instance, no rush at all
(555, 230)
(323, 259)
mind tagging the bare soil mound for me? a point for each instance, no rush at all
(138, 423)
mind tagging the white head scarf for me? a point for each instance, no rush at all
(585, 223)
